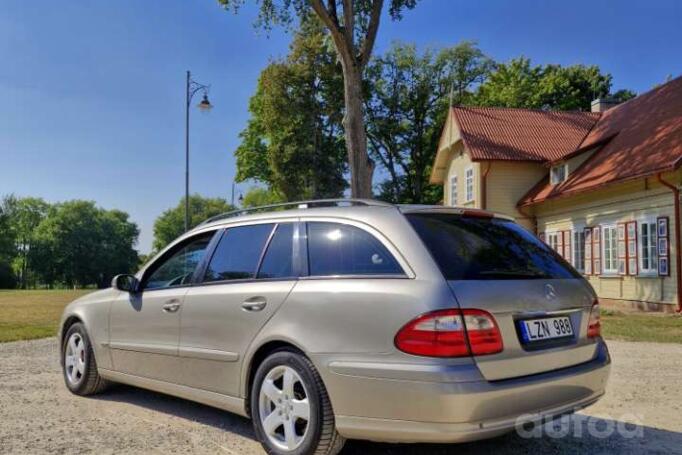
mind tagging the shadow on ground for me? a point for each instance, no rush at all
(583, 434)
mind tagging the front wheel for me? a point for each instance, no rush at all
(290, 408)
(79, 364)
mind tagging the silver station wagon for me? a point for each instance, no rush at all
(335, 319)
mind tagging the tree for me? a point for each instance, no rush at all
(353, 27)
(406, 108)
(79, 244)
(518, 84)
(7, 250)
(171, 223)
(293, 141)
(25, 214)
(256, 197)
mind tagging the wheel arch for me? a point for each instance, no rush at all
(257, 357)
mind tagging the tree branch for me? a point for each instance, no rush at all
(368, 43)
(349, 25)
(345, 53)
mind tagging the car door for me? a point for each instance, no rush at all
(248, 277)
(145, 326)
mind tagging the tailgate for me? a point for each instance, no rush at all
(511, 302)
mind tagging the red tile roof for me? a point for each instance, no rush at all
(521, 134)
(638, 138)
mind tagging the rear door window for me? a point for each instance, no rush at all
(236, 256)
(339, 249)
(481, 248)
(278, 259)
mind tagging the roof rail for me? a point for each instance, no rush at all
(298, 205)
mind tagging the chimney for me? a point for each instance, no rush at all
(603, 104)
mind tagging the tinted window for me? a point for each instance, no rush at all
(472, 248)
(278, 259)
(236, 256)
(337, 249)
(178, 268)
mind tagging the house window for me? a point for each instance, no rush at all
(610, 246)
(469, 177)
(553, 240)
(453, 190)
(647, 248)
(558, 173)
(579, 249)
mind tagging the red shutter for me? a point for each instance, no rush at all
(588, 251)
(622, 250)
(663, 245)
(596, 250)
(631, 239)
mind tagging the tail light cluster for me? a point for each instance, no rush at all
(594, 323)
(451, 333)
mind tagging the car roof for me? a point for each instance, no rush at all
(345, 208)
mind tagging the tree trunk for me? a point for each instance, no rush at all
(361, 167)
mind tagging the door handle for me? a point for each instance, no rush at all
(171, 306)
(254, 304)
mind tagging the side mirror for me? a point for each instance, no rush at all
(125, 282)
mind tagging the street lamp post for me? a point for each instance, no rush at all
(191, 88)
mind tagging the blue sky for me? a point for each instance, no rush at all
(92, 92)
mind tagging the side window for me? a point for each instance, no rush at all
(236, 256)
(278, 259)
(177, 268)
(338, 249)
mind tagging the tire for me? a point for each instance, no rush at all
(77, 348)
(318, 436)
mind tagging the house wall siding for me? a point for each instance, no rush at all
(507, 182)
(632, 201)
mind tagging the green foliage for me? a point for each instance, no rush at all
(79, 244)
(519, 84)
(408, 96)
(256, 197)
(25, 214)
(293, 141)
(171, 223)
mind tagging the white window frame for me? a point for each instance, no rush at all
(553, 173)
(553, 239)
(652, 270)
(453, 190)
(469, 184)
(613, 249)
(578, 248)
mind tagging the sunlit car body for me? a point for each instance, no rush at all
(409, 324)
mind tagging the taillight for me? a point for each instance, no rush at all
(594, 324)
(451, 333)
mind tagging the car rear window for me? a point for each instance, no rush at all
(481, 248)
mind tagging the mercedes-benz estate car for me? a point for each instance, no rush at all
(329, 320)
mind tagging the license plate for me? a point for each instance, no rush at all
(546, 329)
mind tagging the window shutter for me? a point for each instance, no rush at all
(622, 251)
(663, 245)
(588, 251)
(631, 239)
(567, 247)
(596, 250)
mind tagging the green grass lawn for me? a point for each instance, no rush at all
(658, 327)
(25, 315)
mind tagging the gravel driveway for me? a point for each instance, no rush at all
(38, 415)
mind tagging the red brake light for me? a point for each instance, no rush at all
(594, 324)
(451, 333)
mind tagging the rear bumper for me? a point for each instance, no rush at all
(458, 405)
